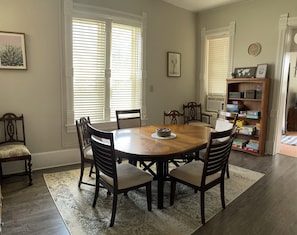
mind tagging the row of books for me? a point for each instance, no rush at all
(250, 145)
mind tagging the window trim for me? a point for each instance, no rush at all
(70, 10)
(209, 34)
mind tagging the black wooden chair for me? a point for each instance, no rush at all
(13, 143)
(194, 115)
(204, 175)
(128, 118)
(173, 117)
(116, 178)
(225, 121)
(86, 153)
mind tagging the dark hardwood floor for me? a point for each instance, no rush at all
(268, 207)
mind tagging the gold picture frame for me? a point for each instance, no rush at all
(12, 51)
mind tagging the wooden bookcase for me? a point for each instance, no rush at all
(259, 102)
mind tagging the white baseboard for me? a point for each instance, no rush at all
(45, 160)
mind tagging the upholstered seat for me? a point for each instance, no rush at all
(13, 150)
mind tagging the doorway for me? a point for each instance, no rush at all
(288, 144)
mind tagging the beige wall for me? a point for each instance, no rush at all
(256, 21)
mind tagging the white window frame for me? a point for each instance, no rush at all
(228, 31)
(94, 12)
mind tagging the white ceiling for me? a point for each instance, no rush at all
(200, 5)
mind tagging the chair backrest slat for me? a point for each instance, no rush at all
(128, 118)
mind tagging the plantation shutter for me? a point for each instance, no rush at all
(217, 64)
(126, 68)
(89, 43)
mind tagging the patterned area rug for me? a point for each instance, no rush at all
(290, 140)
(132, 217)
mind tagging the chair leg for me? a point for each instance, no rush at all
(96, 189)
(227, 170)
(82, 167)
(114, 209)
(91, 170)
(30, 171)
(1, 176)
(149, 196)
(202, 194)
(172, 191)
(223, 193)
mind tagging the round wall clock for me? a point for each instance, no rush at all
(254, 49)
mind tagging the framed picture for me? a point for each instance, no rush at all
(12, 51)
(261, 71)
(173, 64)
(246, 72)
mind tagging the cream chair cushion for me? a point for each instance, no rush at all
(88, 152)
(128, 176)
(13, 150)
(192, 173)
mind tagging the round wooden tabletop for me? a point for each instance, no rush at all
(141, 141)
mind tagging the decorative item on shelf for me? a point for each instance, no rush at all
(245, 72)
(173, 64)
(261, 71)
(254, 49)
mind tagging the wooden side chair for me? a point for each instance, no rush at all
(194, 115)
(204, 175)
(173, 117)
(116, 178)
(13, 143)
(86, 153)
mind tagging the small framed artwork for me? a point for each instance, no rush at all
(246, 72)
(261, 71)
(12, 51)
(173, 64)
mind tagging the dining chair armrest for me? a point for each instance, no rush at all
(208, 116)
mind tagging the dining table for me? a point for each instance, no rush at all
(143, 144)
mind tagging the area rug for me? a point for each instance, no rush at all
(132, 217)
(290, 140)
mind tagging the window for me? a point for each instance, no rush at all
(96, 94)
(105, 55)
(217, 58)
(217, 64)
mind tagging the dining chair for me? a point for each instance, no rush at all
(225, 121)
(173, 117)
(128, 118)
(13, 143)
(86, 153)
(204, 175)
(194, 115)
(116, 178)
